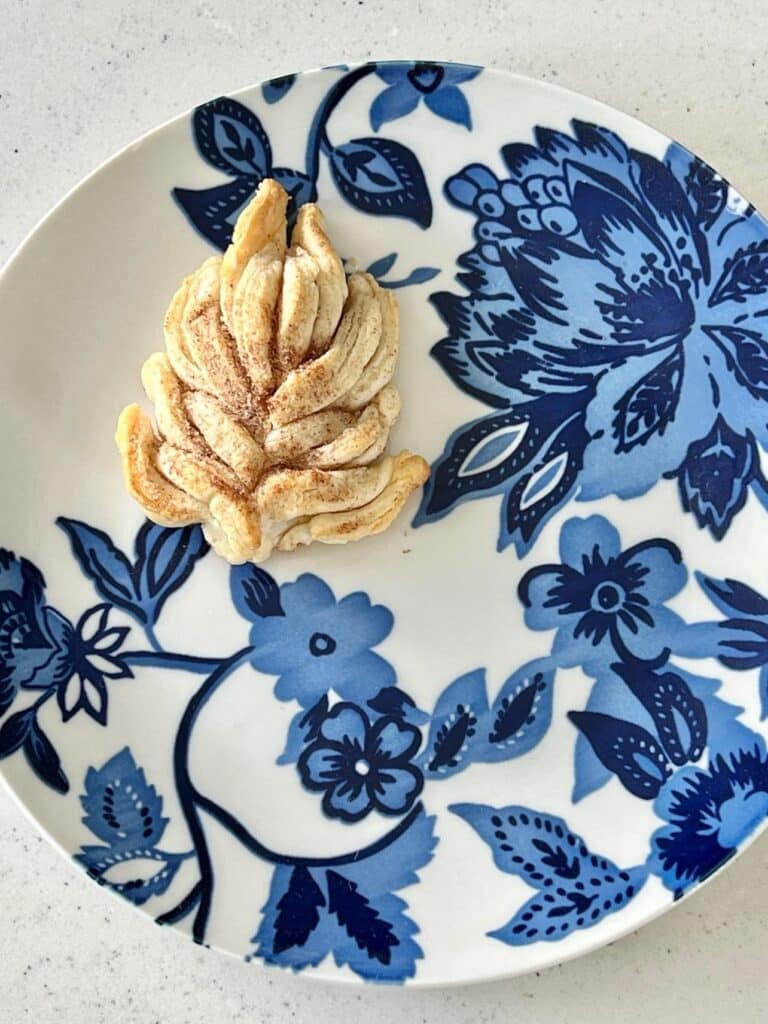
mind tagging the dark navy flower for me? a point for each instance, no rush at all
(601, 595)
(93, 658)
(435, 84)
(615, 321)
(33, 649)
(320, 644)
(709, 814)
(361, 767)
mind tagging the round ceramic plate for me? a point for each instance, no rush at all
(525, 719)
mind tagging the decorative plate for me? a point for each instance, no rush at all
(526, 719)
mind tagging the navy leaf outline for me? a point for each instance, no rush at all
(254, 592)
(104, 564)
(43, 758)
(649, 406)
(165, 559)
(397, 188)
(618, 745)
(204, 125)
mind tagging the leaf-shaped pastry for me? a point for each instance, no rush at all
(273, 401)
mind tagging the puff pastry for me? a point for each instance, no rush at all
(273, 402)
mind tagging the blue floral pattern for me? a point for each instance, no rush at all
(360, 767)
(613, 320)
(360, 742)
(317, 643)
(436, 84)
(375, 175)
(709, 813)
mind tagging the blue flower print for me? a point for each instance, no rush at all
(362, 767)
(601, 597)
(435, 84)
(709, 814)
(614, 321)
(320, 644)
(93, 658)
(33, 636)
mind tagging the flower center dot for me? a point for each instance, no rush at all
(362, 767)
(321, 644)
(608, 597)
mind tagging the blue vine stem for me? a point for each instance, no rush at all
(192, 801)
(317, 140)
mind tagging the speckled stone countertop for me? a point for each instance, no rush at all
(77, 82)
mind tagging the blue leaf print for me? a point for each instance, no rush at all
(649, 406)
(381, 267)
(576, 888)
(120, 806)
(380, 176)
(626, 749)
(137, 875)
(213, 211)
(708, 192)
(744, 274)
(679, 717)
(165, 559)
(731, 595)
(297, 911)
(368, 930)
(231, 138)
(454, 726)
(520, 715)
(419, 275)
(362, 922)
(104, 564)
(14, 731)
(43, 759)
(276, 88)
(254, 592)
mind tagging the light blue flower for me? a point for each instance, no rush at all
(319, 644)
(614, 321)
(710, 812)
(435, 84)
(601, 597)
(362, 767)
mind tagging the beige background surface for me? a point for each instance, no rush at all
(78, 81)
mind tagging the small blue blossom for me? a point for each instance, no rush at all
(435, 84)
(320, 644)
(93, 658)
(361, 767)
(709, 814)
(602, 596)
